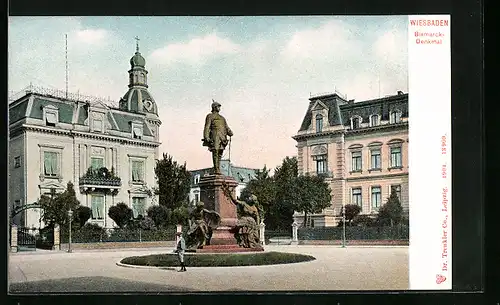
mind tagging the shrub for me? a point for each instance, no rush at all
(120, 214)
(90, 232)
(219, 260)
(83, 214)
(159, 214)
(147, 224)
(363, 220)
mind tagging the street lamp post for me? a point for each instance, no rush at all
(70, 214)
(343, 226)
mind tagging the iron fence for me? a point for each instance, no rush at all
(119, 235)
(278, 236)
(399, 232)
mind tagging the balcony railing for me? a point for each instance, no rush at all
(101, 176)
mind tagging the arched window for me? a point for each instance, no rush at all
(319, 123)
(355, 122)
(395, 117)
(375, 120)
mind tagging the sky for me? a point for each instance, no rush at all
(261, 69)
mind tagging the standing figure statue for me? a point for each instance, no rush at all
(247, 226)
(202, 222)
(215, 135)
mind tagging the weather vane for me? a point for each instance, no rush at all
(137, 43)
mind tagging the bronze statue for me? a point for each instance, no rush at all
(215, 135)
(247, 226)
(202, 222)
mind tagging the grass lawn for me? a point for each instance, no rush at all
(218, 259)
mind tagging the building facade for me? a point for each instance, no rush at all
(360, 147)
(108, 153)
(242, 175)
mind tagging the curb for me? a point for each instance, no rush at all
(144, 267)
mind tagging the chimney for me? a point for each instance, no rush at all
(400, 92)
(351, 101)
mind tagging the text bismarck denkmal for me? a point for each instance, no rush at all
(429, 37)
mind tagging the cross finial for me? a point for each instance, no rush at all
(136, 43)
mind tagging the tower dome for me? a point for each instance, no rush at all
(137, 60)
(138, 98)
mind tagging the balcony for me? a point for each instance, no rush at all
(101, 178)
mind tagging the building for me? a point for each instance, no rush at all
(107, 152)
(360, 147)
(242, 175)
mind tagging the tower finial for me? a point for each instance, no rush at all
(137, 44)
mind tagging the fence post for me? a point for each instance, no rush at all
(295, 239)
(140, 235)
(261, 233)
(179, 229)
(57, 238)
(13, 238)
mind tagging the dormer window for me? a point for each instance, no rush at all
(197, 179)
(374, 120)
(395, 117)
(319, 123)
(355, 122)
(50, 115)
(137, 130)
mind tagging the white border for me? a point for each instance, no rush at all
(429, 71)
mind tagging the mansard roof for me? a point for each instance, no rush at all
(340, 111)
(32, 105)
(240, 174)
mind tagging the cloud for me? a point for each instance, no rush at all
(92, 36)
(332, 39)
(196, 50)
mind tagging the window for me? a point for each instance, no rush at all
(97, 125)
(374, 120)
(137, 131)
(396, 157)
(50, 164)
(97, 203)
(376, 197)
(50, 118)
(395, 117)
(196, 198)
(375, 159)
(356, 161)
(137, 171)
(138, 206)
(17, 162)
(197, 179)
(319, 123)
(356, 196)
(355, 122)
(397, 190)
(96, 162)
(321, 165)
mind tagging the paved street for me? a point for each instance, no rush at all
(352, 268)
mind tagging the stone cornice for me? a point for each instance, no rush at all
(69, 133)
(383, 176)
(378, 128)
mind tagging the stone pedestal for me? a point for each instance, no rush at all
(13, 238)
(57, 238)
(295, 239)
(213, 196)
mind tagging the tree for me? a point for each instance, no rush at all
(120, 214)
(56, 206)
(281, 212)
(262, 187)
(82, 214)
(174, 182)
(160, 215)
(351, 211)
(391, 212)
(311, 194)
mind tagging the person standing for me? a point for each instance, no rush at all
(215, 135)
(181, 248)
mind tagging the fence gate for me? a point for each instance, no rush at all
(26, 239)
